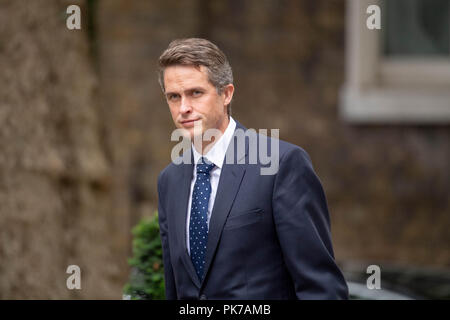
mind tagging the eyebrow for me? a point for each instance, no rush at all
(187, 90)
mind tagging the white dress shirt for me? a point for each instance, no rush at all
(216, 155)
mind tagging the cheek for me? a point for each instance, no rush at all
(172, 110)
(174, 113)
(214, 107)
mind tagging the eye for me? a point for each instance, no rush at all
(197, 93)
(173, 96)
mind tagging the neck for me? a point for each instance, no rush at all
(205, 146)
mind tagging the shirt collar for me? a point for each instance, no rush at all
(217, 153)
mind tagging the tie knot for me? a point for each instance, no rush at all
(204, 165)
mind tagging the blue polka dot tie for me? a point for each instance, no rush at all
(198, 226)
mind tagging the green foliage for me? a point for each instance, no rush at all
(147, 275)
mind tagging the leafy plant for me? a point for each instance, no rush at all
(147, 274)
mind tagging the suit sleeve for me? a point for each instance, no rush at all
(169, 280)
(303, 227)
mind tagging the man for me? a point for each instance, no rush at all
(228, 231)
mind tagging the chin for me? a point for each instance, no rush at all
(191, 132)
(186, 133)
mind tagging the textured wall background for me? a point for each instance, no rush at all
(387, 186)
(84, 132)
(55, 178)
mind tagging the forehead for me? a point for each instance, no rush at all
(180, 77)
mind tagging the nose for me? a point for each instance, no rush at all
(185, 105)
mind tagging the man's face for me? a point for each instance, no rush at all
(194, 101)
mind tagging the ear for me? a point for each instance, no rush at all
(227, 93)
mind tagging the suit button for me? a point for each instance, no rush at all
(203, 297)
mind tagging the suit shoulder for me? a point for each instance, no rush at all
(284, 146)
(292, 155)
(288, 150)
(166, 172)
(164, 180)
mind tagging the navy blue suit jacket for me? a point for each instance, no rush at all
(269, 235)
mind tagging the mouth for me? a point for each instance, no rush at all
(189, 122)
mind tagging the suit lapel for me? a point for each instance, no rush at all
(229, 182)
(183, 189)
